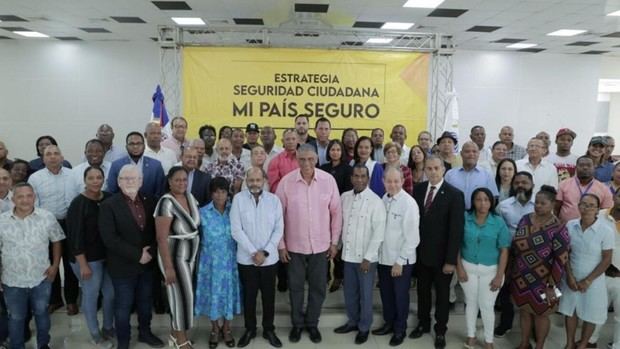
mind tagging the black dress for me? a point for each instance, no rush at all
(342, 174)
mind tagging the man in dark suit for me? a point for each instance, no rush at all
(322, 129)
(197, 181)
(127, 228)
(151, 169)
(441, 233)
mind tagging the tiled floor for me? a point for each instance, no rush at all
(71, 332)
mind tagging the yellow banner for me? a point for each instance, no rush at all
(360, 89)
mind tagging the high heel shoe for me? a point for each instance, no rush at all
(172, 342)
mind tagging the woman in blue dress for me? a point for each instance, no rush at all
(584, 291)
(217, 286)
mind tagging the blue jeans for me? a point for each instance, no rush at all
(137, 288)
(99, 281)
(17, 300)
(358, 288)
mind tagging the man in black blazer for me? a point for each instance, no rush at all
(442, 210)
(127, 229)
(198, 181)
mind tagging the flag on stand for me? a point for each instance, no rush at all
(160, 114)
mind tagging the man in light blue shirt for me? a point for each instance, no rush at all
(512, 210)
(257, 226)
(520, 203)
(470, 177)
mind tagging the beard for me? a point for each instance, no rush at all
(255, 190)
(524, 195)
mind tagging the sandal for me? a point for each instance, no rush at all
(213, 340)
(228, 338)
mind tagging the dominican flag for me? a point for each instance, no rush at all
(159, 112)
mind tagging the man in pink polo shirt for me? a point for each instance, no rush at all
(572, 189)
(312, 226)
(284, 162)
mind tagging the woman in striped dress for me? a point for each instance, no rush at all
(177, 220)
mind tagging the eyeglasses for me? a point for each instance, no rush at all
(129, 179)
(135, 144)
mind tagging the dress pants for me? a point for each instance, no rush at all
(137, 288)
(358, 288)
(72, 285)
(613, 294)
(253, 279)
(506, 306)
(429, 277)
(395, 296)
(313, 268)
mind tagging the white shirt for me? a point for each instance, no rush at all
(428, 187)
(272, 154)
(54, 192)
(485, 155)
(402, 230)
(378, 154)
(6, 203)
(78, 176)
(615, 256)
(256, 227)
(113, 154)
(544, 174)
(166, 156)
(404, 155)
(363, 226)
(489, 165)
(245, 159)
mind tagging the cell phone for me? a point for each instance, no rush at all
(557, 291)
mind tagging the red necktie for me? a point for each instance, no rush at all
(429, 198)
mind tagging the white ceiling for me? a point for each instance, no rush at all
(530, 20)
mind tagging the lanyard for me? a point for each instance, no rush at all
(587, 188)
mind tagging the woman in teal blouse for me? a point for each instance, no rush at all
(481, 263)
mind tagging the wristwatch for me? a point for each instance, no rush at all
(265, 253)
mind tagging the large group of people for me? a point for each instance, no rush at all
(198, 227)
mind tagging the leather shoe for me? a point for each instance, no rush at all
(245, 339)
(151, 340)
(440, 341)
(383, 330)
(346, 328)
(271, 337)
(418, 332)
(315, 335)
(72, 309)
(397, 339)
(295, 335)
(361, 337)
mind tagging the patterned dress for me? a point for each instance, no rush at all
(537, 256)
(217, 286)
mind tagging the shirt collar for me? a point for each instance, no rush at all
(396, 197)
(35, 212)
(437, 186)
(298, 176)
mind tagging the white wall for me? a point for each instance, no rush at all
(67, 89)
(531, 92)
